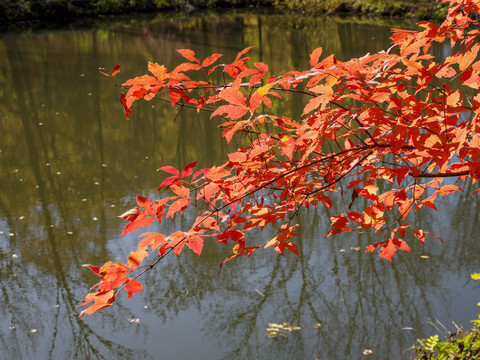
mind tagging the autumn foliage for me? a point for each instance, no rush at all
(387, 127)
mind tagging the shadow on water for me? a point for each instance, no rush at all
(70, 162)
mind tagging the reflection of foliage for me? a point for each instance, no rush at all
(419, 8)
(58, 231)
(53, 10)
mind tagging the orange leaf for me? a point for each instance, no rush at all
(216, 173)
(315, 56)
(144, 202)
(181, 191)
(159, 71)
(136, 258)
(188, 54)
(210, 60)
(179, 205)
(447, 189)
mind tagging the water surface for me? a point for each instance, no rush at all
(70, 162)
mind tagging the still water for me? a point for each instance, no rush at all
(70, 162)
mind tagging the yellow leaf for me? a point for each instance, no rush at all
(264, 89)
(372, 189)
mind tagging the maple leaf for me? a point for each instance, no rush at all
(102, 299)
(136, 224)
(339, 224)
(389, 125)
(126, 107)
(315, 56)
(169, 169)
(136, 258)
(188, 54)
(172, 180)
(131, 214)
(132, 287)
(188, 170)
(196, 244)
(154, 240)
(211, 59)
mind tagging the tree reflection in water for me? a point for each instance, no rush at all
(69, 163)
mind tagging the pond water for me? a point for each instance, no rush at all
(70, 163)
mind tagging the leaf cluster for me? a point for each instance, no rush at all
(389, 132)
(459, 345)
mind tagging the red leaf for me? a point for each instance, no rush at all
(170, 181)
(339, 224)
(401, 244)
(131, 214)
(136, 224)
(196, 244)
(188, 170)
(177, 242)
(246, 251)
(175, 94)
(133, 287)
(420, 235)
(372, 248)
(238, 157)
(125, 106)
(115, 70)
(262, 67)
(144, 202)
(198, 173)
(95, 269)
(280, 247)
(169, 169)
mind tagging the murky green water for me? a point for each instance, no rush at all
(70, 162)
